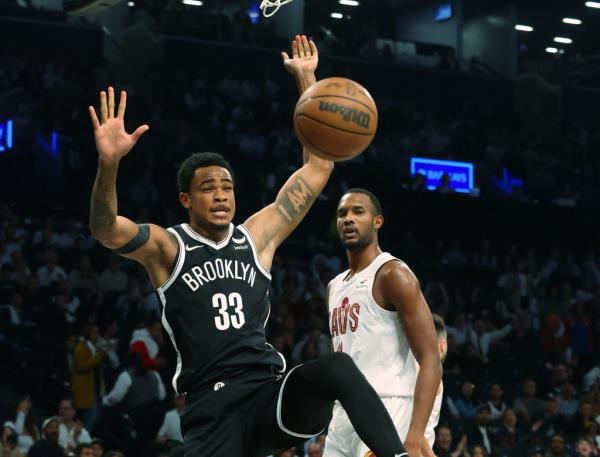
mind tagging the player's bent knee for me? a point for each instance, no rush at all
(339, 366)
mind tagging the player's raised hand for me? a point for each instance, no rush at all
(305, 57)
(112, 141)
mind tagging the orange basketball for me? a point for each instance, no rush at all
(336, 119)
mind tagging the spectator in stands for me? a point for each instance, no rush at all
(13, 311)
(552, 343)
(83, 277)
(465, 403)
(529, 406)
(443, 442)
(485, 258)
(48, 446)
(70, 431)
(479, 432)
(479, 451)
(578, 328)
(592, 377)
(495, 403)
(138, 393)
(113, 279)
(578, 421)
(591, 432)
(170, 430)
(109, 342)
(98, 447)
(25, 427)
(315, 450)
(560, 375)
(549, 423)
(460, 330)
(50, 272)
(508, 435)
(84, 381)
(85, 450)
(557, 447)
(444, 187)
(455, 257)
(9, 441)
(146, 342)
(483, 335)
(567, 401)
(316, 336)
(114, 454)
(585, 448)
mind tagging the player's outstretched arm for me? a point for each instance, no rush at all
(397, 285)
(150, 245)
(272, 225)
(302, 66)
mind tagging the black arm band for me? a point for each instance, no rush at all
(143, 235)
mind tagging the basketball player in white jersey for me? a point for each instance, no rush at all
(378, 316)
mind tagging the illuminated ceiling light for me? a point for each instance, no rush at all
(131, 3)
(524, 28)
(592, 4)
(559, 39)
(193, 2)
(337, 15)
(349, 2)
(552, 50)
(572, 21)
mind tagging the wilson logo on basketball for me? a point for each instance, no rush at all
(360, 118)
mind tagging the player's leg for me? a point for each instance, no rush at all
(308, 392)
(340, 434)
(400, 410)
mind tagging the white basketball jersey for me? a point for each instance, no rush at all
(371, 335)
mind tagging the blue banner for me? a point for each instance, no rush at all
(6, 135)
(461, 173)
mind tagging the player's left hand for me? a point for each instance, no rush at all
(414, 448)
(305, 57)
(426, 450)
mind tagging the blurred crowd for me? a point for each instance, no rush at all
(245, 112)
(84, 366)
(84, 361)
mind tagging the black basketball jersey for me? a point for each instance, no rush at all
(215, 309)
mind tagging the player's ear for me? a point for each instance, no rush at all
(443, 346)
(378, 221)
(185, 200)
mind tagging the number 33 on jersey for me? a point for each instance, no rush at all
(215, 308)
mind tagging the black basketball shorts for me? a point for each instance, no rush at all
(253, 416)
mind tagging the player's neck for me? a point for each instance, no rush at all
(213, 233)
(360, 259)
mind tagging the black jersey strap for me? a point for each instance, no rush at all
(142, 237)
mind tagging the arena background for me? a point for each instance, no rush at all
(509, 259)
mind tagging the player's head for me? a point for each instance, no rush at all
(442, 336)
(205, 182)
(359, 218)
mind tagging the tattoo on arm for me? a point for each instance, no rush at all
(294, 200)
(103, 208)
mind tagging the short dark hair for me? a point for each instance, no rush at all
(199, 160)
(80, 447)
(440, 326)
(374, 200)
(69, 399)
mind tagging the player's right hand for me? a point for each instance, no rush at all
(112, 141)
(305, 57)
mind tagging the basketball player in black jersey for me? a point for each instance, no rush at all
(213, 280)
